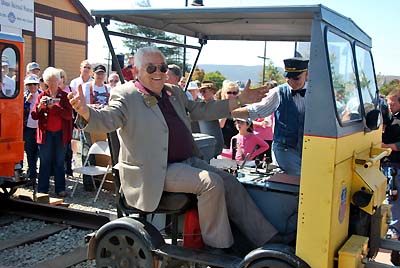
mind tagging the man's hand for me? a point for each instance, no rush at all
(390, 145)
(252, 95)
(29, 98)
(78, 102)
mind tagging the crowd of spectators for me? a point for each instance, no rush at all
(49, 119)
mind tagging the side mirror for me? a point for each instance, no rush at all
(373, 119)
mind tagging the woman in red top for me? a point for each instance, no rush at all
(54, 113)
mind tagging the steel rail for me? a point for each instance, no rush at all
(74, 217)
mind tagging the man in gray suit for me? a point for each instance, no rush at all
(158, 152)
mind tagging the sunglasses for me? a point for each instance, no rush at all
(114, 81)
(232, 92)
(152, 68)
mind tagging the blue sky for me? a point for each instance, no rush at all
(376, 18)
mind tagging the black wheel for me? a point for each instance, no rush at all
(9, 185)
(7, 192)
(270, 263)
(120, 248)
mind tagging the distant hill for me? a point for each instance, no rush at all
(242, 73)
(386, 79)
(235, 72)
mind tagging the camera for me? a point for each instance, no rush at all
(50, 101)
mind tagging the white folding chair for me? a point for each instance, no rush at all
(97, 148)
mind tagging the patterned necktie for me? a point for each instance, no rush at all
(302, 92)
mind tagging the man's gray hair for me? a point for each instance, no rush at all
(141, 54)
(175, 69)
(51, 72)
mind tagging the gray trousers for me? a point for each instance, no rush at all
(220, 197)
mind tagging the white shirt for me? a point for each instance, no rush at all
(271, 102)
(32, 123)
(8, 87)
(100, 93)
(74, 84)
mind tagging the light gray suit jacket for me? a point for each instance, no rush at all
(143, 135)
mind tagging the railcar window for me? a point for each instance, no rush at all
(343, 78)
(9, 73)
(367, 79)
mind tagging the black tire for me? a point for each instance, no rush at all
(270, 263)
(121, 248)
(7, 192)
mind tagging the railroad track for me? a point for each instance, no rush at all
(37, 235)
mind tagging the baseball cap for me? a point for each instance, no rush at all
(208, 85)
(4, 61)
(99, 68)
(32, 66)
(192, 85)
(246, 120)
(31, 79)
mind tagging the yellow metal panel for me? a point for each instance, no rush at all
(315, 201)
(340, 211)
(353, 251)
(356, 143)
(373, 181)
(325, 193)
(70, 29)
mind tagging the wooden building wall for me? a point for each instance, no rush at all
(67, 46)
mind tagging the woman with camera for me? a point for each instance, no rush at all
(54, 132)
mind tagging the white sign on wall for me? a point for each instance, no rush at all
(17, 14)
(44, 28)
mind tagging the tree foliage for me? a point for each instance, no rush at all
(173, 54)
(198, 74)
(216, 77)
(392, 85)
(273, 73)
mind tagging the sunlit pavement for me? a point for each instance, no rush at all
(383, 256)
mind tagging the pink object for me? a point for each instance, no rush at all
(246, 145)
(266, 133)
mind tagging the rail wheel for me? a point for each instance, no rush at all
(120, 248)
(270, 263)
(8, 186)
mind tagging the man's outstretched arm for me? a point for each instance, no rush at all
(248, 96)
(264, 108)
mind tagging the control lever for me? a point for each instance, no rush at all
(245, 160)
(234, 144)
(234, 171)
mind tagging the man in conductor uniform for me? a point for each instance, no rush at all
(287, 102)
(158, 152)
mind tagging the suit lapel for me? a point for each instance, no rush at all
(149, 103)
(156, 110)
(178, 108)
